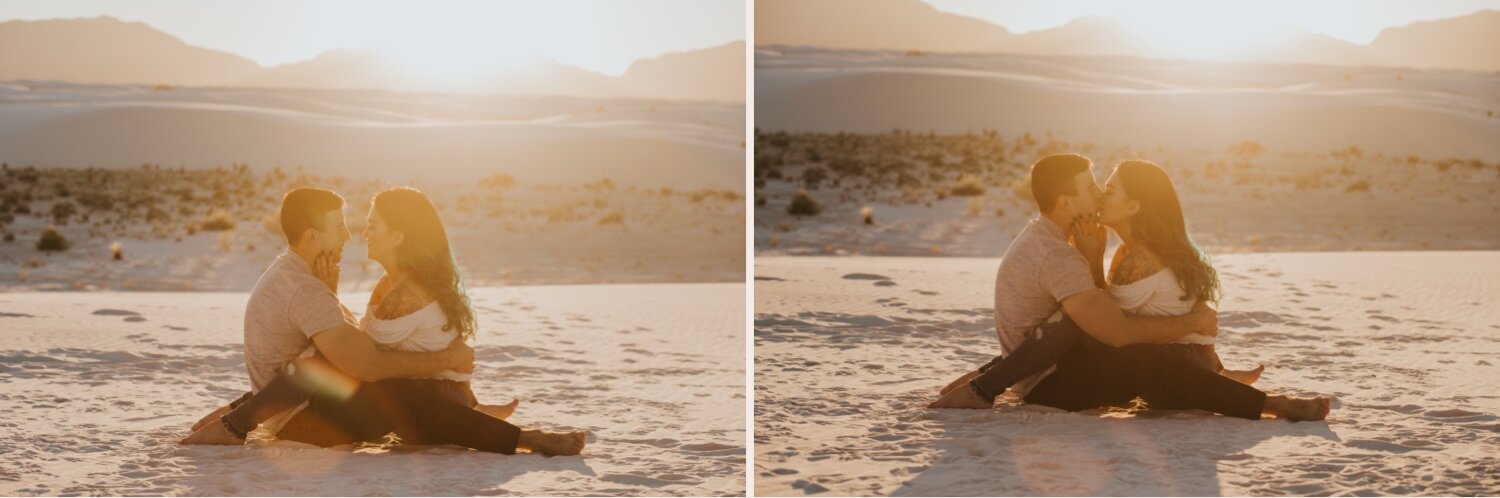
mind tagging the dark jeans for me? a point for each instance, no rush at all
(420, 411)
(1090, 375)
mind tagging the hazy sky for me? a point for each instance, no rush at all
(1352, 20)
(600, 35)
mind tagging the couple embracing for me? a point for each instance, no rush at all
(1075, 337)
(323, 377)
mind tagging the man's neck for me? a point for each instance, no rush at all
(308, 256)
(1060, 218)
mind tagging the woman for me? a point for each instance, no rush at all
(1158, 270)
(419, 305)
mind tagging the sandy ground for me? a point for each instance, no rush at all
(1122, 101)
(849, 350)
(95, 388)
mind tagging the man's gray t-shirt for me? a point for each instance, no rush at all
(288, 306)
(1038, 271)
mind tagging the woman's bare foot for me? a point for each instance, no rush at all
(552, 443)
(961, 398)
(214, 433)
(1298, 409)
(964, 380)
(212, 417)
(501, 412)
(1246, 377)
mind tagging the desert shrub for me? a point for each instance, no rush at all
(10, 237)
(803, 205)
(1247, 148)
(1358, 186)
(760, 201)
(616, 217)
(217, 221)
(62, 212)
(52, 240)
(499, 181)
(968, 186)
(814, 176)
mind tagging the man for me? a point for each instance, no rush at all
(1096, 355)
(352, 391)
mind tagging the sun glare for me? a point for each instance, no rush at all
(1199, 30)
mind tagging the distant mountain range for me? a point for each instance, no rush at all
(1470, 42)
(107, 50)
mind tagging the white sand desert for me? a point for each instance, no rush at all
(849, 350)
(1131, 102)
(99, 386)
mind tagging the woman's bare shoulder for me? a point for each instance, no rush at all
(403, 299)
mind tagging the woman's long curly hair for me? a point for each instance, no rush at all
(425, 254)
(1161, 227)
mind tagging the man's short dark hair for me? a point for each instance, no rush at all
(304, 208)
(1053, 176)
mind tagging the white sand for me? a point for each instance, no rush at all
(1120, 101)
(397, 136)
(1408, 342)
(95, 388)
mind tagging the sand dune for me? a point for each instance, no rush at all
(850, 349)
(1134, 102)
(100, 386)
(376, 133)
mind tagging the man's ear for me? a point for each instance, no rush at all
(1063, 201)
(308, 234)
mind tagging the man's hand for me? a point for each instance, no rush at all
(1205, 319)
(463, 355)
(326, 268)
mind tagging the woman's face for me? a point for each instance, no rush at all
(1116, 208)
(380, 240)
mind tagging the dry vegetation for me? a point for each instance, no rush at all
(968, 194)
(177, 228)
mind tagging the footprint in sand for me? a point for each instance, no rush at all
(769, 279)
(4, 314)
(865, 276)
(926, 293)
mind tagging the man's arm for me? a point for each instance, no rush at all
(1097, 313)
(353, 352)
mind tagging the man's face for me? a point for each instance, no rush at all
(1087, 200)
(333, 238)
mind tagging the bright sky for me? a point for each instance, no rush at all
(1357, 21)
(599, 35)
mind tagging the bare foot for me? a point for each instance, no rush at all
(212, 417)
(1246, 377)
(963, 380)
(214, 433)
(961, 398)
(501, 412)
(1298, 409)
(552, 443)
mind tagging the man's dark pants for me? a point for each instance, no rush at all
(1091, 374)
(421, 411)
